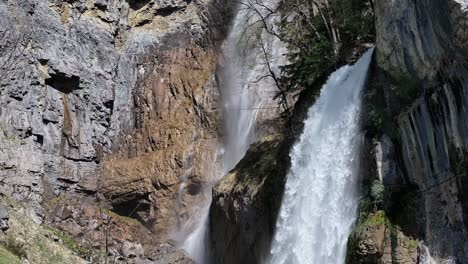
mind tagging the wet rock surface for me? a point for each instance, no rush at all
(421, 47)
(248, 198)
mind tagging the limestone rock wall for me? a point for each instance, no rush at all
(109, 100)
(425, 42)
(414, 38)
(434, 139)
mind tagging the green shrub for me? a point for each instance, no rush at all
(7, 257)
(70, 243)
(312, 47)
(15, 247)
(377, 193)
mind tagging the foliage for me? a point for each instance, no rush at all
(413, 244)
(7, 257)
(15, 247)
(377, 193)
(376, 219)
(370, 221)
(70, 243)
(355, 20)
(320, 36)
(386, 99)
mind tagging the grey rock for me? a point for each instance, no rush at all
(34, 214)
(131, 250)
(67, 92)
(387, 166)
(4, 218)
(167, 254)
(248, 198)
(413, 38)
(68, 100)
(3, 212)
(62, 212)
(425, 41)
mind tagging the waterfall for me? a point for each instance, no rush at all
(249, 52)
(320, 200)
(425, 256)
(245, 91)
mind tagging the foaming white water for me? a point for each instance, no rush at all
(246, 88)
(197, 244)
(425, 257)
(320, 200)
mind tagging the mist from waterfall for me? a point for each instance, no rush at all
(245, 91)
(320, 200)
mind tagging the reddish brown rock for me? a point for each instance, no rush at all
(175, 139)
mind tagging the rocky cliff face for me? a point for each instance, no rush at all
(417, 101)
(422, 46)
(248, 198)
(417, 40)
(111, 103)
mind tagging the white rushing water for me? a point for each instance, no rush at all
(320, 200)
(245, 91)
(425, 257)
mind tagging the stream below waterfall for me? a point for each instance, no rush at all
(320, 200)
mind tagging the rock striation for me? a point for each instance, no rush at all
(425, 43)
(109, 102)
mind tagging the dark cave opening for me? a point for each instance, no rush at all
(137, 4)
(63, 83)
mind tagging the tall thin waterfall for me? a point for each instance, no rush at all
(247, 52)
(245, 90)
(320, 200)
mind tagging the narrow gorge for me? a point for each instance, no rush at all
(227, 132)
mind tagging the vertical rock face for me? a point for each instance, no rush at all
(248, 199)
(412, 38)
(434, 140)
(111, 100)
(426, 41)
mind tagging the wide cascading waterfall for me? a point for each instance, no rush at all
(320, 200)
(249, 53)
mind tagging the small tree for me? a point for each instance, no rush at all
(261, 18)
(320, 35)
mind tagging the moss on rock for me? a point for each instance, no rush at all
(376, 240)
(7, 257)
(36, 243)
(248, 198)
(70, 243)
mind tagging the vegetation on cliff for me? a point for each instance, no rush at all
(376, 240)
(320, 36)
(27, 240)
(248, 198)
